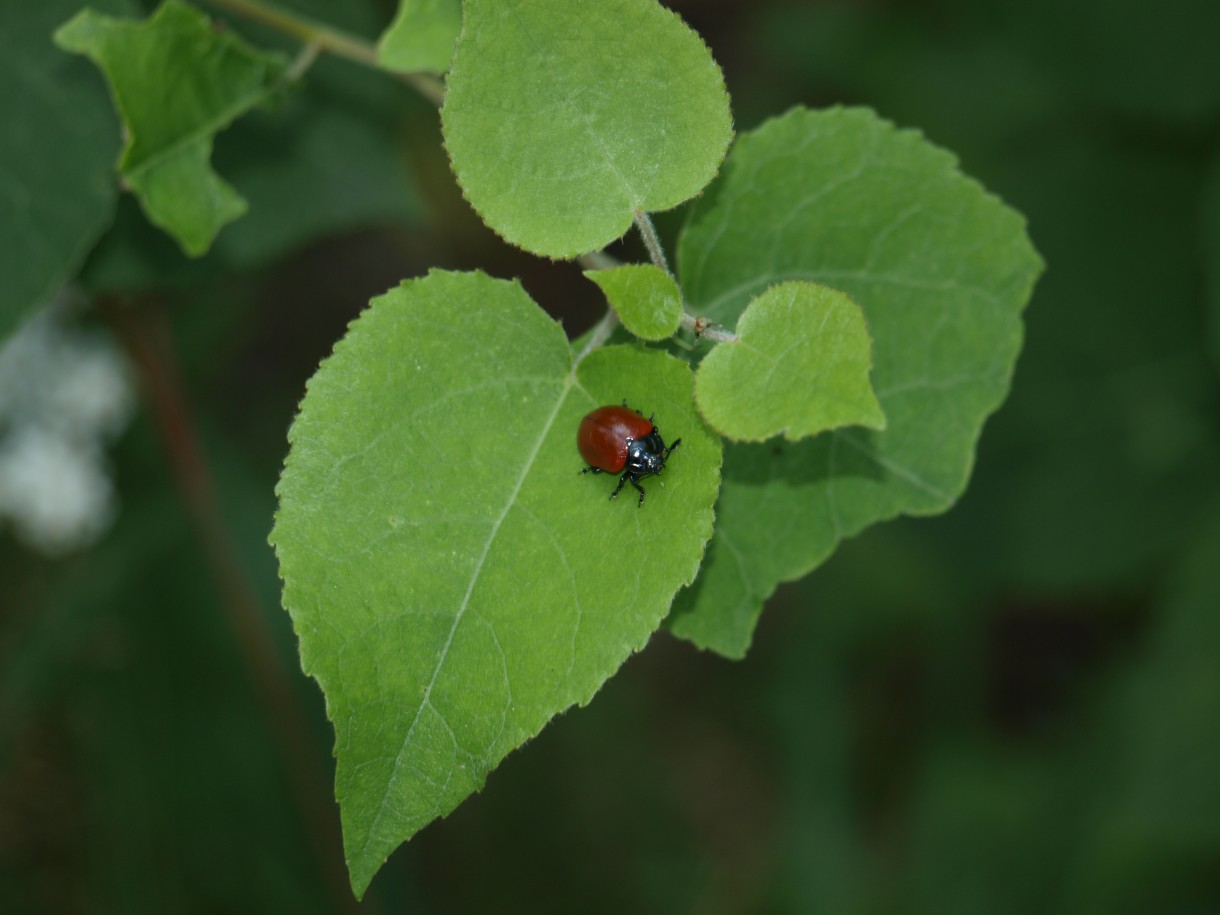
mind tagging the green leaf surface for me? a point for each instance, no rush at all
(421, 36)
(176, 82)
(799, 366)
(56, 157)
(646, 298)
(942, 270)
(564, 118)
(454, 580)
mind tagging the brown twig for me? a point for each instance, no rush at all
(146, 336)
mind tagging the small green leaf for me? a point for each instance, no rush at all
(421, 36)
(56, 158)
(454, 579)
(646, 298)
(176, 82)
(563, 118)
(942, 270)
(799, 366)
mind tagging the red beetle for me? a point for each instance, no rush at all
(621, 440)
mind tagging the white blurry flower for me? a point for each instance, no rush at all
(92, 394)
(55, 492)
(64, 392)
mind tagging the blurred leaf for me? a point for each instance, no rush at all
(176, 82)
(1154, 823)
(799, 366)
(326, 161)
(646, 298)
(421, 36)
(1138, 59)
(942, 270)
(56, 158)
(425, 486)
(971, 94)
(555, 155)
(1211, 248)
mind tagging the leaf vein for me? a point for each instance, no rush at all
(461, 612)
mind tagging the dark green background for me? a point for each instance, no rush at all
(1013, 708)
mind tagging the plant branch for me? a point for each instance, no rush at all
(303, 61)
(701, 327)
(652, 241)
(148, 343)
(329, 40)
(601, 333)
(599, 260)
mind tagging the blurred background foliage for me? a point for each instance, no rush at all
(1011, 708)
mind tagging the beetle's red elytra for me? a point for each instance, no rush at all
(621, 440)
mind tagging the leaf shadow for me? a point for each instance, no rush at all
(811, 462)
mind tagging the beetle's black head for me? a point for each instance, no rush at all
(646, 456)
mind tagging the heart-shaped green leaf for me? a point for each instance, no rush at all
(454, 579)
(177, 82)
(799, 366)
(646, 298)
(564, 118)
(942, 270)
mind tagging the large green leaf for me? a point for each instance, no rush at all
(564, 118)
(177, 82)
(454, 580)
(56, 155)
(421, 36)
(942, 270)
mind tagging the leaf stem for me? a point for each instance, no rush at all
(701, 327)
(330, 40)
(598, 260)
(302, 62)
(652, 241)
(601, 333)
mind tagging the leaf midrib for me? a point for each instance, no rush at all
(571, 105)
(207, 130)
(527, 465)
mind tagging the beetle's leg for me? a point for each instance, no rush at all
(637, 412)
(641, 489)
(621, 481)
(676, 443)
(592, 470)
